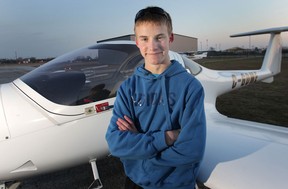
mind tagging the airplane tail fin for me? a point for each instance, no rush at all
(273, 55)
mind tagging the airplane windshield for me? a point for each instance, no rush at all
(86, 75)
(192, 66)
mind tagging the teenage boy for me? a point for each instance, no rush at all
(158, 127)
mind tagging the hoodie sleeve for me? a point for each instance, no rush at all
(126, 144)
(190, 145)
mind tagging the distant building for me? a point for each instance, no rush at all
(180, 44)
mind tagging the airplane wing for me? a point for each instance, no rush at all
(244, 154)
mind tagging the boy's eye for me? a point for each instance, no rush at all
(160, 37)
(144, 39)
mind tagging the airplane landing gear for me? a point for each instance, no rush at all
(96, 184)
(12, 185)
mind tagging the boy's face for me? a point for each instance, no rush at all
(153, 40)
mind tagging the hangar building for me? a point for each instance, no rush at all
(180, 44)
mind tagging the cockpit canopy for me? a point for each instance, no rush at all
(89, 74)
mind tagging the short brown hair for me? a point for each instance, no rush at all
(154, 14)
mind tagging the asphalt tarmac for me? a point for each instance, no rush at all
(79, 177)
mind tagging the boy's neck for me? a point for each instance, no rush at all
(157, 69)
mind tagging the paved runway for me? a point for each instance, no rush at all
(9, 73)
(80, 177)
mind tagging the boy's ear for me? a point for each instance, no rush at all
(136, 41)
(171, 38)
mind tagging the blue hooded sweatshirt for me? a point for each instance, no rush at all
(172, 100)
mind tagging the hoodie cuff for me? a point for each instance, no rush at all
(159, 140)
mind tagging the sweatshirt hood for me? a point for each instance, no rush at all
(174, 69)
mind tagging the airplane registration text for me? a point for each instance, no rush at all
(244, 79)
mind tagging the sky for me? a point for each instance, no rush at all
(50, 28)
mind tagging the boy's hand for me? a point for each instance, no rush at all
(171, 136)
(126, 125)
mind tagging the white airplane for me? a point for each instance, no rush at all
(199, 56)
(194, 55)
(56, 117)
